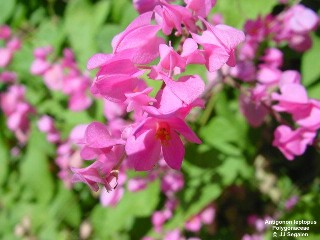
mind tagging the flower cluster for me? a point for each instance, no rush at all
(63, 75)
(266, 89)
(157, 122)
(12, 100)
(12, 44)
(17, 110)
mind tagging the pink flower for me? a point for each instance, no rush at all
(113, 110)
(143, 6)
(187, 88)
(111, 198)
(258, 29)
(159, 218)
(173, 235)
(139, 41)
(137, 184)
(170, 60)
(200, 7)
(152, 136)
(11, 98)
(5, 56)
(19, 119)
(291, 202)
(268, 75)
(115, 79)
(137, 100)
(171, 17)
(53, 77)
(40, 65)
(219, 43)
(174, 100)
(244, 70)
(273, 57)
(289, 76)
(94, 174)
(6, 53)
(8, 77)
(293, 99)
(217, 18)
(45, 124)
(79, 101)
(172, 182)
(309, 119)
(207, 215)
(190, 52)
(97, 140)
(14, 44)
(252, 107)
(301, 19)
(194, 224)
(292, 143)
(300, 43)
(17, 110)
(5, 32)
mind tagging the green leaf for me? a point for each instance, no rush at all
(193, 201)
(310, 67)
(18, 16)
(314, 92)
(4, 160)
(129, 14)
(7, 8)
(232, 168)
(132, 205)
(117, 8)
(49, 33)
(83, 22)
(105, 37)
(65, 207)
(35, 168)
(236, 12)
(220, 132)
(22, 60)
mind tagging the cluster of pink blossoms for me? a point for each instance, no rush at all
(63, 75)
(68, 154)
(17, 109)
(158, 123)
(11, 45)
(12, 101)
(267, 89)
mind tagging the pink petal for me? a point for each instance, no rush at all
(173, 151)
(303, 19)
(89, 153)
(98, 60)
(181, 127)
(111, 198)
(39, 66)
(216, 57)
(97, 136)
(5, 56)
(227, 36)
(187, 88)
(78, 132)
(144, 151)
(114, 88)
